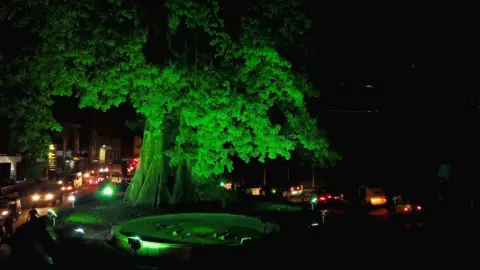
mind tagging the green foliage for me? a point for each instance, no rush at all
(26, 107)
(219, 87)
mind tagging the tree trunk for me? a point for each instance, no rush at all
(149, 184)
(184, 189)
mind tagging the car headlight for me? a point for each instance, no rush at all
(36, 197)
(4, 213)
(60, 182)
(49, 196)
(69, 188)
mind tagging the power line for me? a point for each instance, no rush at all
(350, 111)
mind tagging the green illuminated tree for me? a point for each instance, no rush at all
(207, 95)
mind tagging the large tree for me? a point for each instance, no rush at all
(206, 77)
(25, 106)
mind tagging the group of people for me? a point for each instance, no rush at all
(6, 224)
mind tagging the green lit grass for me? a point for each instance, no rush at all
(277, 207)
(84, 218)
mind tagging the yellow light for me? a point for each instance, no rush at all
(86, 175)
(378, 200)
(36, 197)
(69, 188)
(51, 147)
(49, 196)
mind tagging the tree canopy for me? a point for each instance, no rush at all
(218, 81)
(26, 106)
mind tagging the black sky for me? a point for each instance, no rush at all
(400, 60)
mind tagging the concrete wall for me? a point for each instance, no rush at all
(13, 160)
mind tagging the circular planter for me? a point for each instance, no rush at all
(181, 234)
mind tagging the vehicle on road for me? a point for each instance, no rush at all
(295, 190)
(325, 196)
(49, 195)
(372, 196)
(408, 209)
(91, 178)
(286, 192)
(407, 205)
(68, 187)
(115, 177)
(75, 179)
(10, 204)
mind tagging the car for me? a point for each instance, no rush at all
(406, 205)
(373, 196)
(295, 190)
(49, 195)
(68, 187)
(115, 177)
(76, 179)
(408, 209)
(91, 178)
(269, 191)
(10, 204)
(325, 196)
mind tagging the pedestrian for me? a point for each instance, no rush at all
(8, 225)
(2, 233)
(32, 215)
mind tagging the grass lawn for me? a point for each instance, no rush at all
(111, 213)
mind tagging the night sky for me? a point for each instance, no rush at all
(393, 96)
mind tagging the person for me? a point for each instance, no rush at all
(2, 233)
(32, 215)
(8, 225)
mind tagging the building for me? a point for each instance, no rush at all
(8, 167)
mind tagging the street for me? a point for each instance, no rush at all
(27, 204)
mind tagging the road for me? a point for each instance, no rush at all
(27, 204)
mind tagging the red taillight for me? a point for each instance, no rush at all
(292, 189)
(329, 196)
(301, 186)
(322, 198)
(419, 208)
(405, 209)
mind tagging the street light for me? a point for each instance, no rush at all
(71, 198)
(52, 215)
(313, 202)
(78, 233)
(135, 243)
(108, 191)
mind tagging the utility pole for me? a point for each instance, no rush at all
(265, 175)
(313, 177)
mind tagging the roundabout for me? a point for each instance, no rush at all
(180, 233)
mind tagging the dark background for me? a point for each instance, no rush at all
(396, 98)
